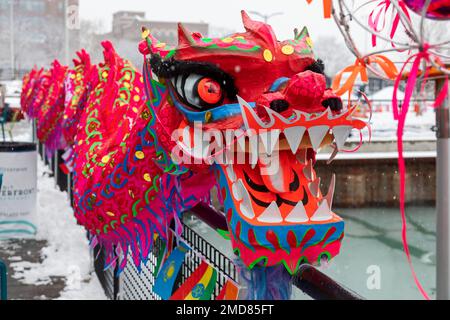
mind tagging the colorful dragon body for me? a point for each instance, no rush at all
(50, 112)
(245, 113)
(120, 193)
(78, 84)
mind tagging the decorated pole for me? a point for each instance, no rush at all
(442, 197)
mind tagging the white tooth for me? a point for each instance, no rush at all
(330, 194)
(245, 106)
(322, 213)
(316, 135)
(246, 204)
(298, 214)
(269, 139)
(341, 134)
(294, 136)
(314, 187)
(230, 173)
(301, 156)
(271, 214)
(308, 171)
(333, 154)
(238, 190)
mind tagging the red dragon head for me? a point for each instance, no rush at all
(258, 110)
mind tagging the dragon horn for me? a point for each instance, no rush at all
(184, 36)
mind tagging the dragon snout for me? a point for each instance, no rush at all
(305, 91)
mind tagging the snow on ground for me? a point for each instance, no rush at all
(417, 127)
(67, 253)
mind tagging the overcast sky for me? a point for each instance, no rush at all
(219, 13)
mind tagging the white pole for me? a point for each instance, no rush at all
(11, 34)
(66, 32)
(442, 198)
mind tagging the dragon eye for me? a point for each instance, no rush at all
(198, 91)
(209, 91)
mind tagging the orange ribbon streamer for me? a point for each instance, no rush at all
(327, 6)
(359, 68)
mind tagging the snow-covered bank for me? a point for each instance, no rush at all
(67, 252)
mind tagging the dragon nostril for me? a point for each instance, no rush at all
(334, 104)
(279, 105)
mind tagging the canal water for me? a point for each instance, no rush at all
(372, 261)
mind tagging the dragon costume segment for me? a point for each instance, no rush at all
(124, 190)
(272, 96)
(78, 84)
(50, 112)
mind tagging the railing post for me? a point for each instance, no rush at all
(61, 177)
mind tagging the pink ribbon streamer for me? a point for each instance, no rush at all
(380, 12)
(400, 116)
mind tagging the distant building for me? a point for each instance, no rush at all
(127, 24)
(126, 32)
(38, 31)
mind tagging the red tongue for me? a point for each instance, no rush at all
(276, 170)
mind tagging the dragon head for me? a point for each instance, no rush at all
(257, 109)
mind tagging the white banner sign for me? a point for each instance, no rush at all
(18, 194)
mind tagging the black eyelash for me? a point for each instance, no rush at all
(170, 68)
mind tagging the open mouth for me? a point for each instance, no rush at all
(273, 200)
(277, 183)
(275, 206)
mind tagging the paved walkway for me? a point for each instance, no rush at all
(13, 251)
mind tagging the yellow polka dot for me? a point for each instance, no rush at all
(137, 89)
(135, 110)
(147, 177)
(72, 76)
(141, 79)
(123, 96)
(227, 40)
(80, 142)
(127, 85)
(104, 74)
(140, 155)
(267, 54)
(287, 49)
(136, 98)
(105, 159)
(145, 33)
(109, 213)
(127, 76)
(309, 42)
(65, 116)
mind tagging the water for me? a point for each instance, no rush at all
(372, 246)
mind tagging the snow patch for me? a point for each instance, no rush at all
(67, 253)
